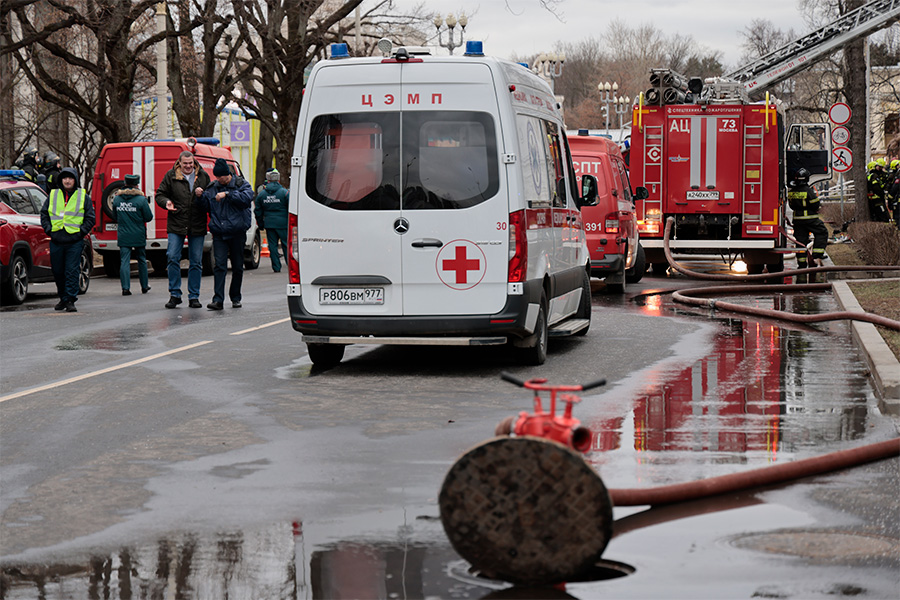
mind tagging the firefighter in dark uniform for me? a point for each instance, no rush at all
(876, 191)
(893, 190)
(29, 163)
(805, 204)
(51, 168)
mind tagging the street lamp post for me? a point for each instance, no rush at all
(609, 98)
(622, 107)
(550, 67)
(451, 25)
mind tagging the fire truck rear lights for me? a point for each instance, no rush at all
(648, 226)
(611, 226)
(760, 229)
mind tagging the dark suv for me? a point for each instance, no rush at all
(24, 247)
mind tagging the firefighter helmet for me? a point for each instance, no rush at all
(872, 164)
(30, 152)
(802, 175)
(881, 162)
(895, 164)
(50, 158)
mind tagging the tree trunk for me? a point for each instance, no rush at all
(854, 76)
(264, 157)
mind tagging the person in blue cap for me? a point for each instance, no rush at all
(227, 200)
(132, 210)
(272, 215)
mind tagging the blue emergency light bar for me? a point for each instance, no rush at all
(474, 48)
(340, 51)
(12, 173)
(209, 141)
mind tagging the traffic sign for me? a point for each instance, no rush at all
(839, 113)
(240, 132)
(840, 136)
(841, 159)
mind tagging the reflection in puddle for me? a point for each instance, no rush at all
(271, 563)
(763, 389)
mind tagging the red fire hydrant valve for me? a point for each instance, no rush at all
(563, 428)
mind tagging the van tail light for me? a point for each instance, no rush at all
(518, 250)
(293, 257)
(611, 223)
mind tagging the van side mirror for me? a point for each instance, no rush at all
(641, 193)
(588, 191)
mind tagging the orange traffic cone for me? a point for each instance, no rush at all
(264, 251)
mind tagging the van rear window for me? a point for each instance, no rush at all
(412, 161)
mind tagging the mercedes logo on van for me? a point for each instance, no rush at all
(401, 225)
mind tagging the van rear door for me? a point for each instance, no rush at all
(454, 255)
(349, 209)
(403, 210)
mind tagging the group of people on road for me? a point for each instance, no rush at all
(195, 202)
(883, 190)
(43, 171)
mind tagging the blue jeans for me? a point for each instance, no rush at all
(273, 236)
(65, 262)
(140, 254)
(223, 248)
(195, 269)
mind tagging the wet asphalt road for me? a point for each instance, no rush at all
(197, 454)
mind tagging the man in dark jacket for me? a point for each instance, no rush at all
(272, 215)
(132, 210)
(228, 202)
(67, 217)
(179, 192)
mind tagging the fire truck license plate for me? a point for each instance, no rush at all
(702, 195)
(351, 295)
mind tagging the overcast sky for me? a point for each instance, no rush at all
(524, 27)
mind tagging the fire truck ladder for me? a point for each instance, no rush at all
(753, 175)
(805, 51)
(653, 170)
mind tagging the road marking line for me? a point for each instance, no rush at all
(50, 386)
(279, 321)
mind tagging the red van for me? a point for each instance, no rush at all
(152, 160)
(610, 224)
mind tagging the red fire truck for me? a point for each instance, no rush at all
(718, 163)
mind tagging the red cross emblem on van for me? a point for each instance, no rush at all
(461, 264)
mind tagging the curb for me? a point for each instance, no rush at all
(884, 368)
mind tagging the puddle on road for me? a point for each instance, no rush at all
(275, 563)
(763, 392)
(766, 390)
(112, 340)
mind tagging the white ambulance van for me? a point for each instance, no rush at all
(433, 201)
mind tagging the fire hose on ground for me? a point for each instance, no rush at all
(527, 508)
(685, 297)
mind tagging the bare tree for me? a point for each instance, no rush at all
(280, 39)
(202, 62)
(625, 55)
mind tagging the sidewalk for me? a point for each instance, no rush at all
(883, 365)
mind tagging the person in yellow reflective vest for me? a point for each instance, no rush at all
(804, 202)
(67, 217)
